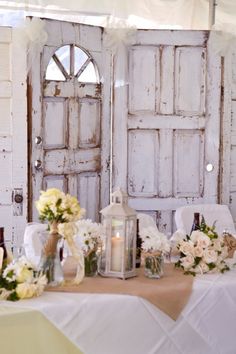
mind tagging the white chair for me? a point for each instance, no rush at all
(33, 241)
(145, 220)
(212, 213)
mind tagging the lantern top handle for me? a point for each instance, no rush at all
(119, 197)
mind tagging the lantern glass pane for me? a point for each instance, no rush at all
(130, 243)
(117, 244)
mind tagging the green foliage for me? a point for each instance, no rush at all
(208, 230)
(13, 296)
(10, 286)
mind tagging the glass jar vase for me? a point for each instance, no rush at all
(153, 266)
(91, 264)
(50, 263)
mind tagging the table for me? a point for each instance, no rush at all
(122, 324)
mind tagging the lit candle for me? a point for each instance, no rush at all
(117, 243)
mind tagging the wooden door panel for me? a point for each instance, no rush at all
(144, 83)
(89, 123)
(190, 64)
(143, 162)
(55, 125)
(173, 94)
(188, 163)
(88, 189)
(59, 182)
(167, 80)
(70, 161)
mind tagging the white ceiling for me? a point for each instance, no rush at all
(183, 14)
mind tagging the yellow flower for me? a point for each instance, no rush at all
(54, 205)
(25, 290)
(24, 274)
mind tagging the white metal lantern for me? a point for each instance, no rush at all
(118, 257)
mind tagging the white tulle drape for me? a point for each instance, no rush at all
(117, 38)
(31, 35)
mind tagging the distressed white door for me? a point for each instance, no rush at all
(228, 134)
(70, 116)
(166, 124)
(13, 136)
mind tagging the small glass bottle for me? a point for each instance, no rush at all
(196, 222)
(138, 247)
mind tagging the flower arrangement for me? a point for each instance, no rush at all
(90, 235)
(203, 251)
(154, 245)
(21, 280)
(153, 241)
(55, 206)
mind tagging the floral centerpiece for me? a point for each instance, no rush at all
(203, 251)
(56, 207)
(21, 280)
(90, 236)
(154, 245)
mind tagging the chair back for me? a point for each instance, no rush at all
(218, 213)
(33, 241)
(145, 221)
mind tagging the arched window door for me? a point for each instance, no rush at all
(70, 117)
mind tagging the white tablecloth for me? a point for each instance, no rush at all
(121, 324)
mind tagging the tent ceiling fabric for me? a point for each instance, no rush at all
(183, 14)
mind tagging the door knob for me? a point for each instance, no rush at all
(38, 164)
(38, 140)
(18, 198)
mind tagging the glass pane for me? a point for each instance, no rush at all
(89, 74)
(63, 55)
(53, 72)
(80, 59)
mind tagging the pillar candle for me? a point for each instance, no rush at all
(117, 245)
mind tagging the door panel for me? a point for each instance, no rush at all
(13, 135)
(170, 131)
(74, 121)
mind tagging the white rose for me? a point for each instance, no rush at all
(202, 268)
(187, 262)
(198, 251)
(218, 244)
(200, 238)
(204, 242)
(187, 247)
(210, 256)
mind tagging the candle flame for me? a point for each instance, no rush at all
(118, 235)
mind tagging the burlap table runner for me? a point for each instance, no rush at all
(170, 293)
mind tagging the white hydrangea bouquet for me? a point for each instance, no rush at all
(154, 245)
(202, 252)
(21, 280)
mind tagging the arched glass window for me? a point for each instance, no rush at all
(70, 61)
